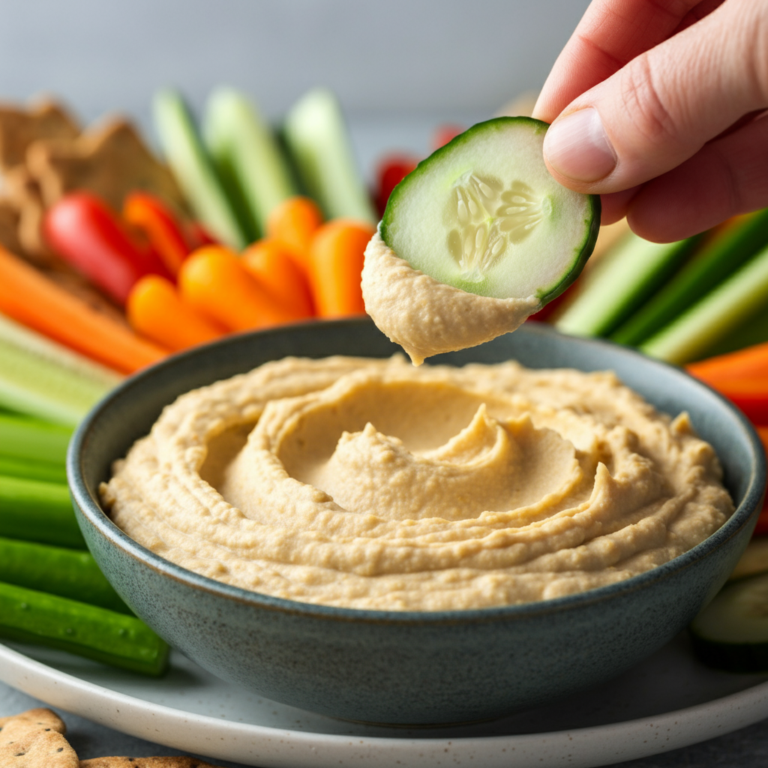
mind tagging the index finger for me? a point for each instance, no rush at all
(610, 34)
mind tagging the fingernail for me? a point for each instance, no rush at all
(578, 147)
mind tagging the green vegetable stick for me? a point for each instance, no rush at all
(57, 571)
(716, 262)
(691, 336)
(41, 378)
(622, 281)
(247, 155)
(33, 440)
(194, 170)
(30, 616)
(318, 140)
(33, 470)
(34, 511)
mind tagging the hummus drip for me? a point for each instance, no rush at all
(426, 317)
(371, 484)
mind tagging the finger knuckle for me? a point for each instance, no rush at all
(647, 103)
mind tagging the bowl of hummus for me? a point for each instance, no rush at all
(303, 512)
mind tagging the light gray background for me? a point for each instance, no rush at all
(398, 67)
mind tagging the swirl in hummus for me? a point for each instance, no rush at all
(370, 484)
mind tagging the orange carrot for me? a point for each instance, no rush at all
(336, 264)
(272, 264)
(214, 282)
(37, 302)
(156, 310)
(294, 223)
(749, 363)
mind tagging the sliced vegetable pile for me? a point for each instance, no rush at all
(102, 276)
(111, 259)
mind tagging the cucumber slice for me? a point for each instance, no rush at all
(753, 561)
(317, 138)
(245, 151)
(194, 171)
(732, 631)
(483, 214)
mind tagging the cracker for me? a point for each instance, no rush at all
(9, 224)
(35, 739)
(144, 762)
(20, 127)
(24, 192)
(110, 160)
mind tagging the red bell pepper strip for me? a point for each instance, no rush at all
(83, 230)
(156, 221)
(200, 236)
(391, 171)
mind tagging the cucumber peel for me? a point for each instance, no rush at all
(318, 140)
(696, 331)
(622, 282)
(732, 631)
(483, 214)
(194, 171)
(247, 155)
(30, 616)
(716, 261)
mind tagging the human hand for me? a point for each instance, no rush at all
(659, 107)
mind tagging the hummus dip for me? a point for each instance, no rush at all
(375, 485)
(426, 317)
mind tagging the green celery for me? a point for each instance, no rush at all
(33, 440)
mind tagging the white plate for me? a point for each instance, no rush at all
(668, 701)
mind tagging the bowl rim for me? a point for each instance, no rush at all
(87, 504)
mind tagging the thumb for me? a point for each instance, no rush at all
(664, 105)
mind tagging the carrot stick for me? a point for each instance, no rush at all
(336, 264)
(156, 310)
(33, 300)
(294, 223)
(214, 282)
(749, 363)
(271, 263)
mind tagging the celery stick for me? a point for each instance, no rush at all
(691, 336)
(42, 378)
(621, 282)
(714, 263)
(318, 140)
(246, 153)
(58, 571)
(30, 616)
(33, 470)
(37, 511)
(33, 440)
(48, 349)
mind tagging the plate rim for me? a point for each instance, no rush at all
(590, 746)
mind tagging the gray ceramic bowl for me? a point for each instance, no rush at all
(415, 667)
